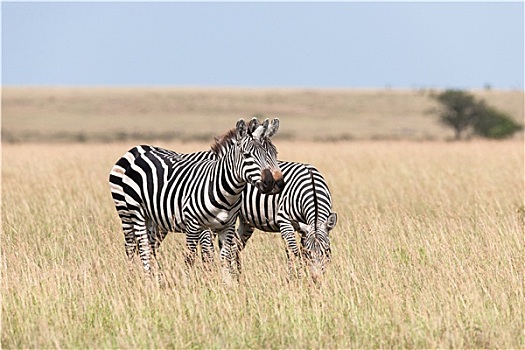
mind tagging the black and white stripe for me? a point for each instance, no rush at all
(156, 190)
(304, 205)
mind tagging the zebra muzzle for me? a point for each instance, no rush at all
(279, 181)
(267, 182)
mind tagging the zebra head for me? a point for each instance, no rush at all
(258, 155)
(315, 243)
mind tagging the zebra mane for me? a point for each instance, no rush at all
(316, 205)
(223, 142)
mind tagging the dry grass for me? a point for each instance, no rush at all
(428, 252)
(109, 114)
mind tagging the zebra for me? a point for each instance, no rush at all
(287, 212)
(305, 205)
(195, 194)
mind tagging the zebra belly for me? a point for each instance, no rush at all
(262, 223)
(173, 225)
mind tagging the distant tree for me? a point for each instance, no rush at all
(461, 111)
(458, 110)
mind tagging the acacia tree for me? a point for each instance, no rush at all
(458, 110)
(461, 111)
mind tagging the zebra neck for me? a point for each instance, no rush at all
(224, 185)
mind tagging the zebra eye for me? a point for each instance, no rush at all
(246, 155)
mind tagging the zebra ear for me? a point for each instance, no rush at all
(273, 128)
(331, 221)
(261, 130)
(254, 124)
(264, 131)
(241, 129)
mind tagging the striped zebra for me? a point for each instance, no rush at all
(195, 194)
(305, 205)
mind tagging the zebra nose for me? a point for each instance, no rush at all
(317, 271)
(267, 181)
(279, 182)
(279, 186)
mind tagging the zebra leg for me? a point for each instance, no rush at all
(191, 253)
(141, 236)
(130, 243)
(238, 246)
(131, 248)
(155, 237)
(229, 254)
(292, 250)
(244, 232)
(193, 233)
(207, 250)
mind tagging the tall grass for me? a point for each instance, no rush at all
(428, 252)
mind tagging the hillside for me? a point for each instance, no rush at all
(146, 114)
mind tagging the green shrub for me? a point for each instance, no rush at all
(493, 124)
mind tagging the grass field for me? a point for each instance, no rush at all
(427, 252)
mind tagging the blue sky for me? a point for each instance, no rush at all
(406, 45)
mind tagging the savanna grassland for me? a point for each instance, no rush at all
(427, 251)
(121, 114)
